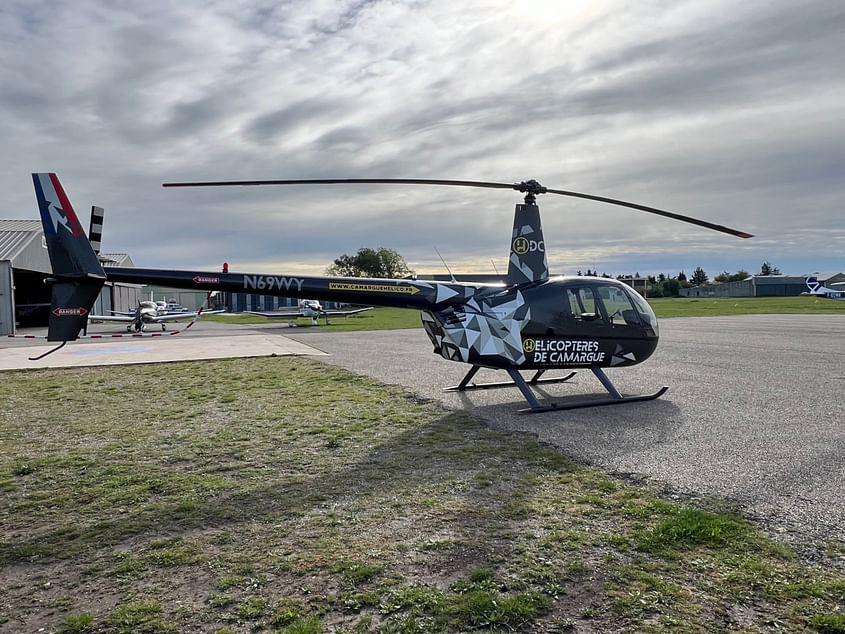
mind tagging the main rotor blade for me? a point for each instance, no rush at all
(531, 186)
(653, 210)
(348, 181)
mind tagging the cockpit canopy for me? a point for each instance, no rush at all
(593, 307)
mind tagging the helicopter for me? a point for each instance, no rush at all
(530, 322)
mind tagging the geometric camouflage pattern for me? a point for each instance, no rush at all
(480, 328)
(527, 262)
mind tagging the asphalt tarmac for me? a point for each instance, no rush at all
(753, 414)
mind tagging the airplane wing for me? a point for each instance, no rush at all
(276, 315)
(320, 313)
(344, 313)
(174, 316)
(123, 318)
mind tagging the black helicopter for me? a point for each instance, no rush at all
(531, 322)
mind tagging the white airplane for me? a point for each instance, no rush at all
(309, 308)
(816, 288)
(148, 312)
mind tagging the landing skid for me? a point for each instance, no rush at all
(534, 405)
(466, 386)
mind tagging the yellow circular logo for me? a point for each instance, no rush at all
(529, 345)
(520, 245)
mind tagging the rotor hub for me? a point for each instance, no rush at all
(530, 188)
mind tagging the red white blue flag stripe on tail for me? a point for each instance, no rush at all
(54, 205)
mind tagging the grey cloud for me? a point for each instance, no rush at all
(268, 127)
(730, 112)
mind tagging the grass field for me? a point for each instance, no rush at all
(375, 319)
(701, 307)
(280, 494)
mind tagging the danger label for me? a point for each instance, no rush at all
(70, 312)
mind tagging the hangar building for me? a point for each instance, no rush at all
(762, 286)
(24, 263)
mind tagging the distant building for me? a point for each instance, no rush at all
(24, 264)
(637, 283)
(761, 286)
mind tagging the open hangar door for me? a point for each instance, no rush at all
(32, 298)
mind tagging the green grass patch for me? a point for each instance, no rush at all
(833, 623)
(76, 623)
(375, 319)
(703, 307)
(280, 494)
(142, 615)
(688, 527)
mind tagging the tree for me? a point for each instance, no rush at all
(725, 277)
(671, 288)
(699, 277)
(682, 277)
(768, 269)
(666, 288)
(368, 262)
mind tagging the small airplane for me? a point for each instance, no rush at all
(531, 322)
(148, 312)
(816, 288)
(309, 308)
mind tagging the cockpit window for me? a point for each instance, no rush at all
(583, 305)
(617, 305)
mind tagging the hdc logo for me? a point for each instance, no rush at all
(522, 245)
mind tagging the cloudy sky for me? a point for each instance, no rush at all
(729, 111)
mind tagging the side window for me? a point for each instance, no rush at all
(618, 306)
(582, 303)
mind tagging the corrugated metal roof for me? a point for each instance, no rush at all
(826, 275)
(16, 235)
(116, 259)
(762, 280)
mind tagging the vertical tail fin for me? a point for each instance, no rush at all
(528, 250)
(77, 273)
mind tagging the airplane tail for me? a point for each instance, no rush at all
(77, 273)
(813, 285)
(528, 261)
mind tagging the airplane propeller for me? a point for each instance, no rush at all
(531, 188)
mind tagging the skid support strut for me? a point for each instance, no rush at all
(466, 386)
(534, 406)
(616, 397)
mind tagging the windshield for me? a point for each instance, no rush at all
(644, 310)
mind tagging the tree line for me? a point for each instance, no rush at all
(663, 286)
(387, 263)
